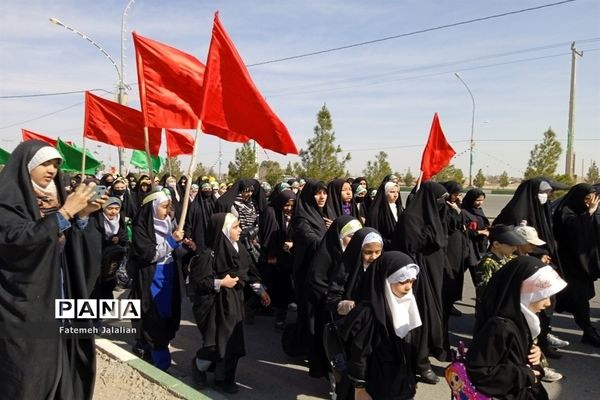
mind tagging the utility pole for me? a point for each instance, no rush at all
(220, 159)
(256, 161)
(570, 162)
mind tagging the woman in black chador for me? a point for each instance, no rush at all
(380, 332)
(48, 251)
(422, 234)
(384, 211)
(477, 227)
(217, 279)
(502, 360)
(340, 200)
(577, 231)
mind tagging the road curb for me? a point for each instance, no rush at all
(168, 382)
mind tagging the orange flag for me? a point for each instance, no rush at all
(437, 153)
(170, 84)
(178, 143)
(116, 124)
(232, 105)
(28, 135)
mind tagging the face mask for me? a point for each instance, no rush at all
(206, 195)
(359, 199)
(118, 192)
(543, 197)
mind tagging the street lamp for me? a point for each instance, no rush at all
(121, 97)
(472, 143)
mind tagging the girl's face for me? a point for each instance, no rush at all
(588, 199)
(171, 182)
(454, 197)
(346, 239)
(288, 207)
(525, 248)
(479, 201)
(503, 249)
(346, 192)
(392, 195)
(321, 197)
(119, 186)
(540, 305)
(163, 209)
(370, 252)
(145, 186)
(112, 211)
(401, 289)
(235, 231)
(44, 173)
(363, 183)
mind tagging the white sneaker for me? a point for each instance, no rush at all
(551, 375)
(557, 342)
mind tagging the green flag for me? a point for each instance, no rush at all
(139, 159)
(72, 156)
(4, 155)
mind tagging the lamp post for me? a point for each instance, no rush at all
(121, 94)
(472, 143)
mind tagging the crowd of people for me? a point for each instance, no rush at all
(346, 258)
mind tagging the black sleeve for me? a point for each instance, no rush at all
(358, 332)
(202, 274)
(336, 288)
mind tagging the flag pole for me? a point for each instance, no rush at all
(188, 185)
(83, 161)
(419, 179)
(148, 157)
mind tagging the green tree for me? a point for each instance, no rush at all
(289, 170)
(245, 165)
(450, 173)
(409, 179)
(479, 180)
(199, 172)
(271, 172)
(378, 169)
(544, 157)
(172, 166)
(504, 181)
(592, 174)
(320, 160)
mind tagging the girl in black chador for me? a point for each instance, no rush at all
(384, 211)
(48, 251)
(217, 279)
(502, 361)
(380, 333)
(577, 230)
(340, 200)
(477, 227)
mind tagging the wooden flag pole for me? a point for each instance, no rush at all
(188, 185)
(419, 179)
(83, 162)
(148, 157)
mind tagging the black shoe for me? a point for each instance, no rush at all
(228, 387)
(429, 377)
(455, 312)
(551, 352)
(198, 376)
(591, 336)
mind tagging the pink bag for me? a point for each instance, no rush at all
(458, 380)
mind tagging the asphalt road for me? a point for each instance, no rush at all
(267, 373)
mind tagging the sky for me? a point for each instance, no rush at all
(382, 96)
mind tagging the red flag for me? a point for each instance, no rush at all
(170, 84)
(116, 124)
(28, 135)
(178, 143)
(437, 153)
(232, 104)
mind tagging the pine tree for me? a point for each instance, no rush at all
(479, 180)
(245, 165)
(199, 172)
(544, 157)
(172, 166)
(409, 179)
(378, 169)
(271, 172)
(592, 174)
(320, 159)
(504, 180)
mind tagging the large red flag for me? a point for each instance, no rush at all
(170, 84)
(233, 104)
(28, 135)
(178, 143)
(437, 153)
(116, 124)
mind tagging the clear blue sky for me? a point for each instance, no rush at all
(382, 96)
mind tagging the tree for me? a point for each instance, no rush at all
(245, 165)
(199, 172)
(320, 159)
(592, 174)
(544, 157)
(289, 170)
(378, 169)
(172, 166)
(450, 173)
(504, 181)
(479, 180)
(271, 172)
(409, 179)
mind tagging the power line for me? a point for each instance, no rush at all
(436, 28)
(54, 93)
(41, 116)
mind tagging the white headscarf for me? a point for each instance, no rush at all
(349, 229)
(404, 311)
(544, 283)
(44, 154)
(162, 227)
(373, 237)
(227, 224)
(388, 187)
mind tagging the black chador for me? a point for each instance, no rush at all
(335, 207)
(383, 215)
(39, 263)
